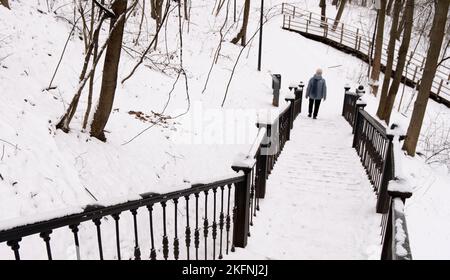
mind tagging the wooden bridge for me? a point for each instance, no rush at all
(353, 40)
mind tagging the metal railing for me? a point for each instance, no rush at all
(353, 40)
(206, 221)
(375, 149)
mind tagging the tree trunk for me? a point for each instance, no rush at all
(390, 59)
(375, 76)
(436, 39)
(157, 12)
(334, 2)
(401, 27)
(153, 9)
(186, 10)
(323, 11)
(94, 40)
(389, 7)
(403, 51)
(339, 14)
(242, 35)
(110, 69)
(5, 3)
(64, 123)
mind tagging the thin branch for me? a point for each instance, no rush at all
(149, 47)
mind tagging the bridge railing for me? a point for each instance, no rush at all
(355, 40)
(206, 221)
(375, 148)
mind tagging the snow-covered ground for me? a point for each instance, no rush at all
(45, 172)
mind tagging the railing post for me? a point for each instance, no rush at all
(267, 150)
(241, 208)
(389, 244)
(346, 88)
(358, 107)
(261, 166)
(299, 96)
(440, 86)
(386, 252)
(291, 101)
(387, 175)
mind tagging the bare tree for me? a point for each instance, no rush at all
(401, 61)
(390, 59)
(5, 3)
(64, 122)
(339, 13)
(157, 15)
(436, 39)
(323, 10)
(378, 49)
(389, 7)
(110, 69)
(242, 35)
(94, 40)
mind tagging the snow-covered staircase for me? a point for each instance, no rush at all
(319, 202)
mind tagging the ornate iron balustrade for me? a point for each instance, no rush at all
(375, 149)
(206, 221)
(149, 203)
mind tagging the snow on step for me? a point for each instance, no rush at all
(319, 202)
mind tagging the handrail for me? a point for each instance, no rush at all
(352, 39)
(376, 151)
(94, 211)
(233, 203)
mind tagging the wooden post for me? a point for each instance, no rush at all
(293, 13)
(439, 88)
(262, 163)
(386, 252)
(383, 197)
(414, 76)
(310, 16)
(242, 208)
(358, 108)
(291, 100)
(356, 38)
(423, 62)
(342, 33)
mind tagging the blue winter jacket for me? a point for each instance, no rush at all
(317, 88)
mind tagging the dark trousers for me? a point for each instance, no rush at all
(316, 104)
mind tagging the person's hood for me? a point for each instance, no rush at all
(317, 77)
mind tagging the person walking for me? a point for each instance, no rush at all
(316, 91)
